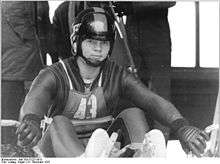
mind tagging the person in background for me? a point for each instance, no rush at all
(20, 59)
(80, 94)
(148, 34)
(44, 31)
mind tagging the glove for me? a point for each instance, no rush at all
(29, 131)
(192, 139)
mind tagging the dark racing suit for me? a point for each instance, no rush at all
(50, 93)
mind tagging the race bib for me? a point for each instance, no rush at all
(87, 108)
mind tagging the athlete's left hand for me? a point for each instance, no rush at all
(193, 139)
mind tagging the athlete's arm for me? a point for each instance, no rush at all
(41, 94)
(191, 138)
(138, 93)
(36, 105)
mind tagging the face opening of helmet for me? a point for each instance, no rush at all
(95, 51)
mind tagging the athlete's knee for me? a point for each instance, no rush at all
(156, 132)
(132, 112)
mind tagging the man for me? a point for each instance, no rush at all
(80, 94)
(20, 54)
(148, 37)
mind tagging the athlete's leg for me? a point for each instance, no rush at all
(60, 139)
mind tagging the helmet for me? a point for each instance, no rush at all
(92, 23)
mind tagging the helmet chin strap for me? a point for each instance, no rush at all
(99, 64)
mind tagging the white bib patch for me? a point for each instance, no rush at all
(84, 104)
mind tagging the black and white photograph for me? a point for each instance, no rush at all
(109, 79)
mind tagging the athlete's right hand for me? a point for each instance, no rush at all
(29, 131)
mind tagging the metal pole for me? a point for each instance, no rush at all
(197, 35)
(122, 31)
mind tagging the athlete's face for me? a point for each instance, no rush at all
(95, 50)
